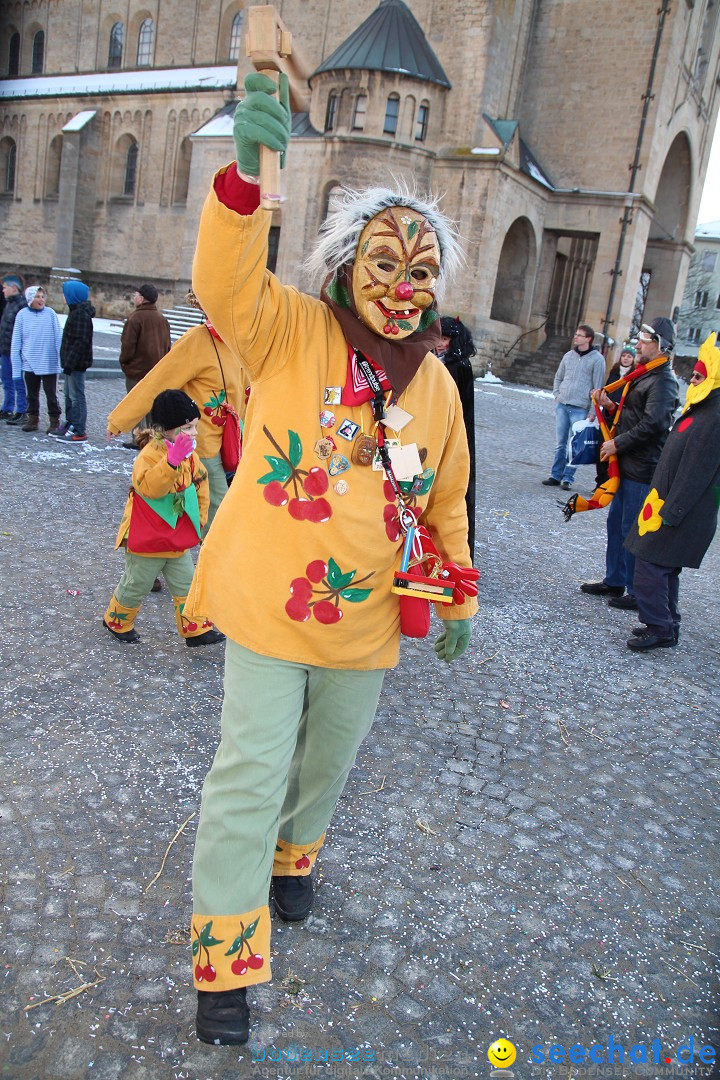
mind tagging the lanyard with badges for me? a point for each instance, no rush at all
(423, 574)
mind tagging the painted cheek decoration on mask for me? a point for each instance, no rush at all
(395, 271)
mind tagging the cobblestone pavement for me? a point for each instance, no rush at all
(527, 847)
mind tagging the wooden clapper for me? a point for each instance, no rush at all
(269, 48)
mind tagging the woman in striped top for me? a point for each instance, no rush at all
(35, 353)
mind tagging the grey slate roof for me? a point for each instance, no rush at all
(389, 40)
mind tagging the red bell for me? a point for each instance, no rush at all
(404, 291)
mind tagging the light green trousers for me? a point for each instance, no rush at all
(141, 570)
(218, 486)
(289, 738)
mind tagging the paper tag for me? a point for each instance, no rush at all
(377, 461)
(405, 461)
(396, 418)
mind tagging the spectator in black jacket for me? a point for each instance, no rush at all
(645, 419)
(455, 350)
(76, 357)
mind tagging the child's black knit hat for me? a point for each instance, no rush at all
(172, 409)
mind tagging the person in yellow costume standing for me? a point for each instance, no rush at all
(355, 436)
(201, 365)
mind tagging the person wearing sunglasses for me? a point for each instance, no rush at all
(679, 516)
(647, 410)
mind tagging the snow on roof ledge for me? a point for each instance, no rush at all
(80, 119)
(217, 126)
(122, 82)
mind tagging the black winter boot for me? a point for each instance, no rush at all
(210, 637)
(293, 896)
(223, 1017)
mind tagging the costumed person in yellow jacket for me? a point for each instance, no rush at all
(348, 508)
(200, 364)
(163, 519)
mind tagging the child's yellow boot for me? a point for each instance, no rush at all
(119, 620)
(195, 631)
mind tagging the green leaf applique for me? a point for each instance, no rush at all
(336, 578)
(281, 470)
(355, 595)
(206, 936)
(295, 451)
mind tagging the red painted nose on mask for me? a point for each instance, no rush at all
(404, 291)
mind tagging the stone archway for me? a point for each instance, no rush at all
(668, 240)
(515, 274)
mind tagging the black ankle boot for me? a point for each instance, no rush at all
(293, 897)
(223, 1017)
(210, 637)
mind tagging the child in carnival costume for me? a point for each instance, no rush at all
(354, 437)
(163, 519)
(202, 366)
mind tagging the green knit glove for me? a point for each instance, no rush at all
(261, 118)
(454, 639)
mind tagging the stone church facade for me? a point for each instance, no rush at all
(570, 145)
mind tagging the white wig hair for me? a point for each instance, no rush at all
(340, 232)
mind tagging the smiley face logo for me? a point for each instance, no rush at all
(501, 1054)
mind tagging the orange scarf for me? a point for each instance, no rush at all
(603, 493)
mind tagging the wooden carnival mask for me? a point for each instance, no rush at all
(395, 271)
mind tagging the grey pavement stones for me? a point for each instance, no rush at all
(527, 846)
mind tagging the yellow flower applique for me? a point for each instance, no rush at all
(649, 519)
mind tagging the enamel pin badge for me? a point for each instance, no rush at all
(348, 430)
(338, 464)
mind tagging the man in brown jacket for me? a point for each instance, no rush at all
(145, 340)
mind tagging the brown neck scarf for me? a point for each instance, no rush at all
(399, 359)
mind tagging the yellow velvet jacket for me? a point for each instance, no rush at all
(153, 477)
(284, 579)
(191, 365)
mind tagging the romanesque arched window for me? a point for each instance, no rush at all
(331, 111)
(236, 37)
(38, 52)
(14, 55)
(115, 47)
(421, 123)
(146, 38)
(392, 111)
(8, 151)
(130, 176)
(182, 172)
(52, 168)
(359, 111)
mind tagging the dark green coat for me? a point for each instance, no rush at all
(687, 477)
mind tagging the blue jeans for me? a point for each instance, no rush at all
(15, 397)
(565, 417)
(75, 404)
(624, 509)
